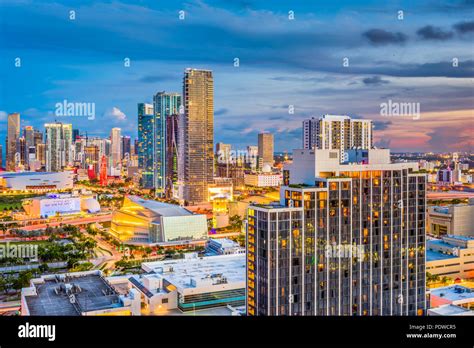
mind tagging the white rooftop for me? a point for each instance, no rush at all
(450, 310)
(164, 209)
(180, 272)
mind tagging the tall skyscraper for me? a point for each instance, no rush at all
(75, 134)
(30, 148)
(41, 154)
(1, 156)
(58, 137)
(126, 146)
(13, 133)
(116, 147)
(38, 137)
(196, 141)
(21, 147)
(146, 157)
(171, 171)
(164, 105)
(91, 158)
(348, 240)
(265, 149)
(337, 132)
(252, 156)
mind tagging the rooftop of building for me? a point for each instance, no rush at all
(448, 209)
(180, 272)
(274, 206)
(454, 293)
(20, 174)
(164, 209)
(94, 294)
(224, 242)
(458, 237)
(451, 310)
(432, 255)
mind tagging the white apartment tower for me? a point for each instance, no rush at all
(331, 132)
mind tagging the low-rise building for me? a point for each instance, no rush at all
(449, 310)
(148, 222)
(192, 284)
(452, 219)
(36, 181)
(80, 293)
(223, 246)
(451, 256)
(456, 295)
(54, 204)
(263, 179)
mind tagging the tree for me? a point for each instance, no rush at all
(23, 280)
(43, 267)
(445, 280)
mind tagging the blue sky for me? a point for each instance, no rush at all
(282, 62)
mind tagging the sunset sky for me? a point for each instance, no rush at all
(283, 63)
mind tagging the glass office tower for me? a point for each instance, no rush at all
(146, 153)
(165, 105)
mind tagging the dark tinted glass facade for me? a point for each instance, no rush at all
(357, 248)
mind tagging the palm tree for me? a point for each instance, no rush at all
(445, 280)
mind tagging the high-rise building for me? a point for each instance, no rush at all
(145, 146)
(135, 146)
(38, 137)
(347, 238)
(13, 133)
(58, 150)
(332, 132)
(223, 152)
(126, 146)
(75, 134)
(91, 158)
(1, 156)
(265, 149)
(196, 141)
(116, 147)
(171, 154)
(164, 105)
(252, 156)
(41, 153)
(21, 147)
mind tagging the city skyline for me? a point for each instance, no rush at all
(283, 65)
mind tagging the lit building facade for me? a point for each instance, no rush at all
(263, 179)
(13, 133)
(164, 105)
(146, 153)
(36, 181)
(374, 212)
(116, 146)
(147, 222)
(265, 149)
(171, 173)
(58, 146)
(196, 140)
